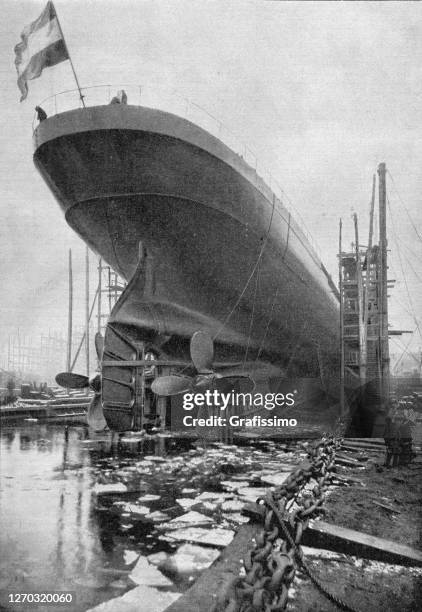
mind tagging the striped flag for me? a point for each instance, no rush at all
(42, 46)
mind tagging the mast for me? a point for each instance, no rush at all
(81, 96)
(361, 329)
(368, 279)
(383, 298)
(69, 315)
(340, 283)
(100, 266)
(87, 310)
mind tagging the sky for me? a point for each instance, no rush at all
(321, 92)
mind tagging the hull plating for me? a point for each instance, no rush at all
(125, 175)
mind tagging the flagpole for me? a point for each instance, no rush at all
(70, 59)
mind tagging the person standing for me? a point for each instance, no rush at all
(391, 443)
(405, 440)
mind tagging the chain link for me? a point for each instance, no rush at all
(270, 567)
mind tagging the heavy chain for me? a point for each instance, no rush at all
(269, 569)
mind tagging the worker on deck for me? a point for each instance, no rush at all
(120, 97)
(391, 438)
(41, 114)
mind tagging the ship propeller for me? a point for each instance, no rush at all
(202, 355)
(70, 380)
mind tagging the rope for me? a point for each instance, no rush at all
(339, 602)
(404, 352)
(261, 252)
(404, 206)
(402, 269)
(407, 258)
(252, 317)
(394, 297)
(270, 318)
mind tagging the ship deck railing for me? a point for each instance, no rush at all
(174, 102)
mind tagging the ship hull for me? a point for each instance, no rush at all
(223, 253)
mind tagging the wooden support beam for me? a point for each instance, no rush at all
(347, 462)
(342, 353)
(87, 315)
(379, 441)
(363, 446)
(321, 534)
(69, 315)
(349, 541)
(383, 271)
(359, 449)
(136, 363)
(100, 290)
(360, 302)
(203, 594)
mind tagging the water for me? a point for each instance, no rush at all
(52, 538)
(58, 535)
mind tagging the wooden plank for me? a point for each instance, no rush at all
(386, 507)
(359, 449)
(343, 456)
(379, 441)
(348, 462)
(203, 594)
(362, 446)
(349, 479)
(348, 541)
(148, 363)
(320, 534)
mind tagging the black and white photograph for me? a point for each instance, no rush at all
(211, 312)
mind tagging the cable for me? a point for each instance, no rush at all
(404, 349)
(402, 269)
(252, 316)
(408, 260)
(261, 252)
(404, 206)
(402, 305)
(412, 252)
(402, 355)
(270, 318)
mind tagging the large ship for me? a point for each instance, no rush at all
(203, 243)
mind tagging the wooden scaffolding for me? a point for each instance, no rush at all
(363, 288)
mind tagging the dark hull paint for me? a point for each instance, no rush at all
(125, 174)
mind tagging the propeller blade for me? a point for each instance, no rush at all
(95, 415)
(202, 351)
(231, 378)
(70, 380)
(171, 385)
(95, 382)
(99, 345)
